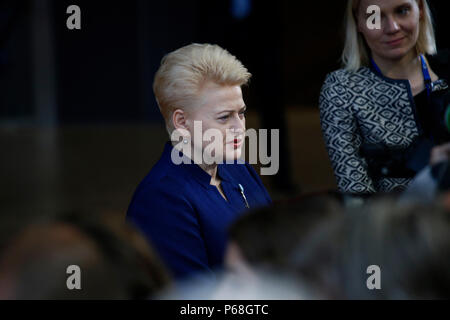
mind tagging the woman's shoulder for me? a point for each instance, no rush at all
(165, 180)
(345, 76)
(439, 63)
(168, 174)
(157, 188)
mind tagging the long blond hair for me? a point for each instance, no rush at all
(356, 54)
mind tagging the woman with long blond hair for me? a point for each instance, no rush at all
(383, 112)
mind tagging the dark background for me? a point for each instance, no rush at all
(104, 71)
(79, 124)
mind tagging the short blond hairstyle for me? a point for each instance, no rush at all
(183, 72)
(356, 53)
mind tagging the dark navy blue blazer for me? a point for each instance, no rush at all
(185, 218)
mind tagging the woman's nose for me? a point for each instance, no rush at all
(391, 25)
(238, 125)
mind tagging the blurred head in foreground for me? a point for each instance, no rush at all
(114, 261)
(410, 244)
(297, 240)
(332, 254)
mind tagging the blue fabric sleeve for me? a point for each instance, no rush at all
(170, 223)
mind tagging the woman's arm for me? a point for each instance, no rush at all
(170, 223)
(342, 138)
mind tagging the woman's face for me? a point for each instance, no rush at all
(399, 27)
(220, 109)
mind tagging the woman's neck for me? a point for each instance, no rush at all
(406, 67)
(211, 170)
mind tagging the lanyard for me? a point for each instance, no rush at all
(425, 71)
(426, 76)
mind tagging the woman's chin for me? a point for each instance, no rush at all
(396, 53)
(232, 155)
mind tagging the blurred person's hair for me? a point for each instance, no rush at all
(297, 239)
(356, 53)
(409, 243)
(268, 236)
(115, 262)
(183, 72)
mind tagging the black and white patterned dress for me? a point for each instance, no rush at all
(364, 107)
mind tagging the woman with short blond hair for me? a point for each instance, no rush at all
(383, 112)
(184, 207)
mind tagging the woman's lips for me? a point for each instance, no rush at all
(236, 143)
(395, 42)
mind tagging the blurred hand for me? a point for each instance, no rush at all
(440, 153)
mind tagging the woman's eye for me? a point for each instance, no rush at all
(403, 11)
(224, 118)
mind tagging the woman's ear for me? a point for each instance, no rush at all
(179, 119)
